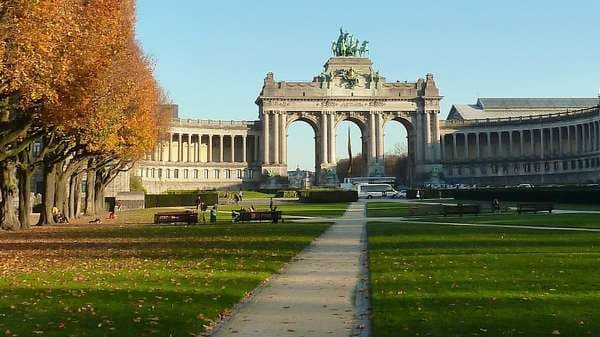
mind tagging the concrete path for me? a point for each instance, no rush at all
(315, 295)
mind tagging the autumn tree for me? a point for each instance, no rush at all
(36, 38)
(72, 79)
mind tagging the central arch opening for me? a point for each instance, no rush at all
(398, 157)
(302, 160)
(350, 150)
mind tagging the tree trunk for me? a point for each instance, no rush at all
(25, 197)
(89, 194)
(77, 196)
(8, 192)
(60, 194)
(99, 197)
(48, 196)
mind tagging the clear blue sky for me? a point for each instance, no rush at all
(211, 56)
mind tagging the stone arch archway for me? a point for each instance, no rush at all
(311, 120)
(360, 121)
(406, 121)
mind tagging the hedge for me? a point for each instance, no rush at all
(287, 194)
(572, 195)
(183, 199)
(325, 196)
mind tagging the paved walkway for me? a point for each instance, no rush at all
(315, 296)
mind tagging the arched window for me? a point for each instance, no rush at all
(206, 174)
(168, 173)
(176, 173)
(227, 174)
(196, 174)
(216, 174)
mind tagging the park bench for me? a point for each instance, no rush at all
(260, 216)
(535, 207)
(461, 209)
(188, 217)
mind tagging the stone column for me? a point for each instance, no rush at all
(521, 146)
(283, 138)
(189, 154)
(532, 142)
(244, 154)
(232, 148)
(466, 136)
(380, 135)
(275, 137)
(372, 137)
(427, 136)
(542, 147)
(454, 148)
(510, 143)
(551, 143)
(436, 136)
(576, 142)
(209, 152)
(265, 138)
(419, 138)
(477, 146)
(568, 143)
(324, 156)
(170, 147)
(332, 134)
(256, 149)
(221, 139)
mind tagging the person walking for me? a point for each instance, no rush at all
(271, 204)
(213, 214)
(200, 210)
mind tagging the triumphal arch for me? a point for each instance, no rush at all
(349, 88)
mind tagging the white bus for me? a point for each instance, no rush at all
(370, 191)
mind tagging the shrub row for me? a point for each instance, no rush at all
(287, 194)
(183, 199)
(328, 196)
(557, 195)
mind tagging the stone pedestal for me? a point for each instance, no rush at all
(328, 176)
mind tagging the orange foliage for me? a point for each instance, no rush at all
(36, 38)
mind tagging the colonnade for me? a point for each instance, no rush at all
(539, 142)
(207, 148)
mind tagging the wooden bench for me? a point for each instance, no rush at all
(188, 217)
(245, 216)
(461, 209)
(535, 207)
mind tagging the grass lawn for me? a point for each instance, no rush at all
(136, 280)
(430, 280)
(377, 209)
(540, 219)
(257, 195)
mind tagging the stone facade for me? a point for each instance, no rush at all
(350, 89)
(495, 141)
(522, 140)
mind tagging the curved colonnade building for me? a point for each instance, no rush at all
(497, 141)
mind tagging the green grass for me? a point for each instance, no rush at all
(378, 209)
(257, 195)
(430, 280)
(528, 219)
(136, 280)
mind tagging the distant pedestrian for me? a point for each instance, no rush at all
(271, 204)
(236, 198)
(213, 214)
(241, 195)
(200, 210)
